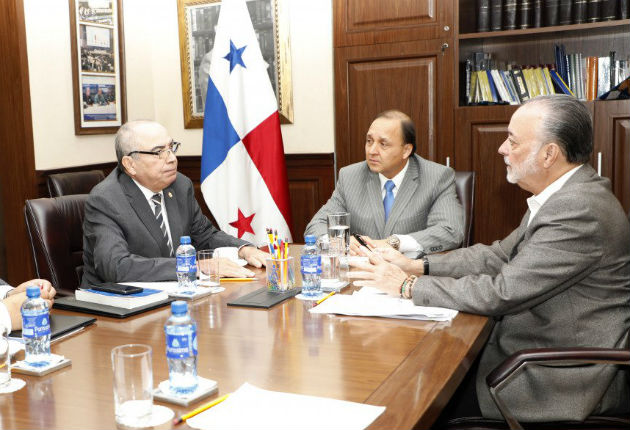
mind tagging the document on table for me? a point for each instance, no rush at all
(370, 304)
(171, 288)
(251, 407)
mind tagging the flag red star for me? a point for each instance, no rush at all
(243, 224)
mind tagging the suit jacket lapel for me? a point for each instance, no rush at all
(408, 188)
(375, 201)
(174, 216)
(141, 206)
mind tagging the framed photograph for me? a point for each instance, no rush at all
(96, 37)
(197, 28)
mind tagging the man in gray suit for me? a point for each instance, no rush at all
(394, 197)
(135, 217)
(561, 279)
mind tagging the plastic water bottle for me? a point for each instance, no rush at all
(311, 265)
(36, 328)
(186, 260)
(181, 349)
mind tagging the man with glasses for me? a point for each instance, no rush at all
(135, 217)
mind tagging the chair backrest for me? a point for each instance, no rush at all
(64, 184)
(55, 229)
(465, 189)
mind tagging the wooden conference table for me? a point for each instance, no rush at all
(411, 367)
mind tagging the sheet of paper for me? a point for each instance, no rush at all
(251, 407)
(370, 304)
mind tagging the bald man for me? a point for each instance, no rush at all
(135, 217)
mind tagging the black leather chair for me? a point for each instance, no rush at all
(465, 189)
(55, 229)
(63, 184)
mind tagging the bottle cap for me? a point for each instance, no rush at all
(179, 307)
(184, 240)
(309, 239)
(32, 291)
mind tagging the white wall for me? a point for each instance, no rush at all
(153, 78)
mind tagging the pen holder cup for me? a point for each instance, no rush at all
(280, 274)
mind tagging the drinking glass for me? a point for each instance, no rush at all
(208, 268)
(339, 232)
(133, 384)
(5, 362)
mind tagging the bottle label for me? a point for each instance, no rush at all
(186, 264)
(181, 345)
(35, 325)
(311, 264)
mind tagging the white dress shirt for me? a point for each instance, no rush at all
(536, 202)
(148, 194)
(5, 319)
(408, 245)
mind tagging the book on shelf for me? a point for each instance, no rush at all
(593, 10)
(496, 15)
(609, 10)
(579, 11)
(603, 75)
(551, 12)
(591, 78)
(509, 11)
(130, 301)
(564, 14)
(525, 13)
(559, 83)
(621, 91)
(483, 15)
(538, 7)
(624, 9)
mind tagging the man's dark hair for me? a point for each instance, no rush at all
(406, 125)
(567, 122)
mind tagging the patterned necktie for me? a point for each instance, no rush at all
(388, 201)
(157, 202)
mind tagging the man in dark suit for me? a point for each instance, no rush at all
(135, 217)
(561, 279)
(395, 197)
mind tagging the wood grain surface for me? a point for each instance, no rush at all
(411, 367)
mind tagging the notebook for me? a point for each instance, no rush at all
(61, 324)
(129, 301)
(72, 304)
(263, 298)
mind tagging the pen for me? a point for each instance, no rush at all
(237, 279)
(199, 410)
(324, 298)
(361, 241)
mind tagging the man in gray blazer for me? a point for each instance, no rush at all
(395, 197)
(561, 279)
(135, 217)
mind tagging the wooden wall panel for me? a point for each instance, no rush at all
(17, 163)
(612, 140)
(414, 77)
(369, 22)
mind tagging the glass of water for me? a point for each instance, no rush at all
(5, 362)
(339, 232)
(133, 384)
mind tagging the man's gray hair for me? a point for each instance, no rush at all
(126, 139)
(567, 122)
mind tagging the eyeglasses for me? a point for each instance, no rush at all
(162, 153)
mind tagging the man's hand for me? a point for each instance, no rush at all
(46, 289)
(372, 243)
(228, 268)
(379, 274)
(13, 305)
(254, 256)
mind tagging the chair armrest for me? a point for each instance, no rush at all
(514, 364)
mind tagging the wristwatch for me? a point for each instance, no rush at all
(393, 241)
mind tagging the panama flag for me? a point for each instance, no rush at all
(243, 174)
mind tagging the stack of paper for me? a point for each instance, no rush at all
(129, 301)
(378, 305)
(250, 407)
(170, 287)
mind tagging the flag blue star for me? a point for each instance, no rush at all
(235, 56)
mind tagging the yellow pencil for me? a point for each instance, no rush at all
(324, 298)
(237, 279)
(199, 410)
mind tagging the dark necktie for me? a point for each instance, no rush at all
(157, 202)
(388, 201)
